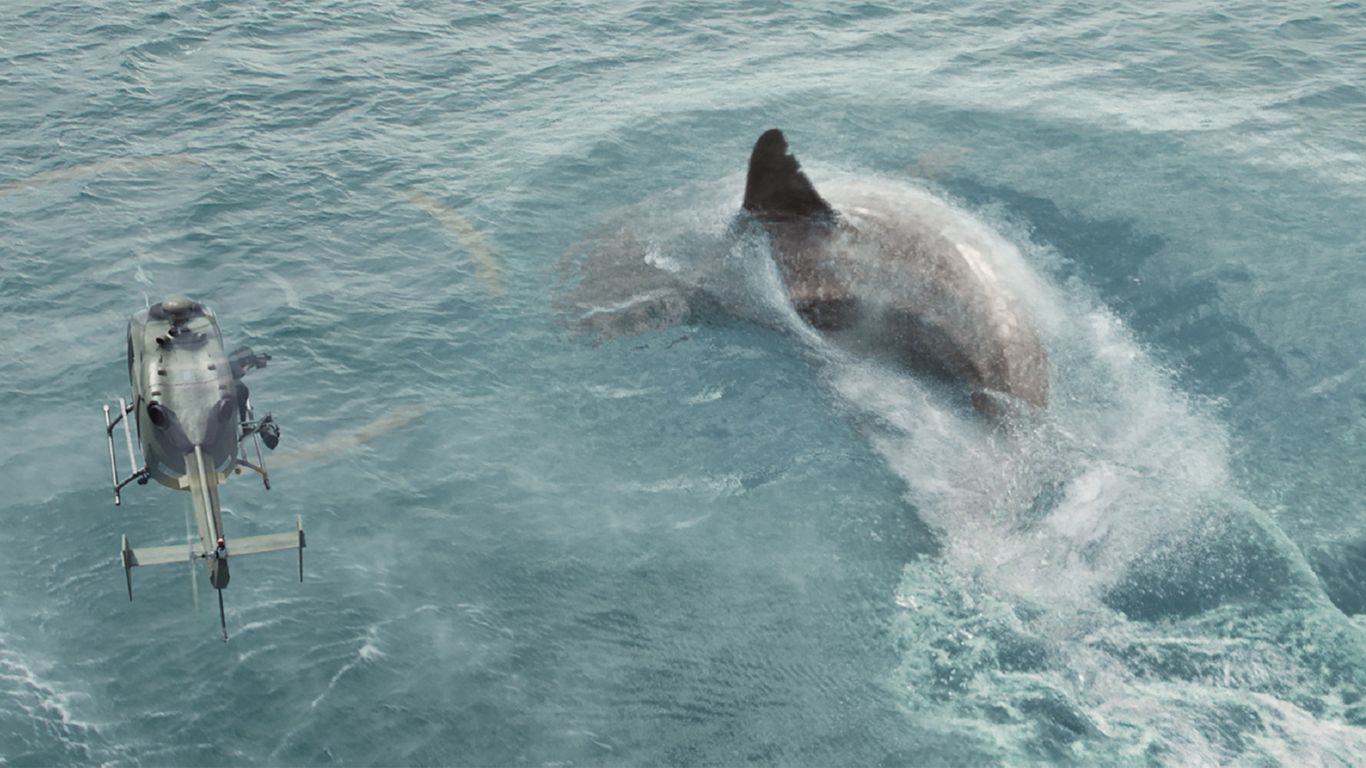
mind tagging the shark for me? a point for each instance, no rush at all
(877, 269)
(882, 275)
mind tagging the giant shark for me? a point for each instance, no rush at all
(889, 279)
(879, 270)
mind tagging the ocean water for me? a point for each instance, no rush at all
(717, 540)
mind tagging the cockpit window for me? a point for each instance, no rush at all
(175, 309)
(180, 335)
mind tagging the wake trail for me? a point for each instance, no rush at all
(1077, 544)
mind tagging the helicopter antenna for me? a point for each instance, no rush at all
(190, 542)
(222, 618)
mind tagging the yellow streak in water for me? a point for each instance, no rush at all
(932, 163)
(485, 263)
(96, 168)
(348, 439)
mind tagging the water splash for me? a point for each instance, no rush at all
(1073, 543)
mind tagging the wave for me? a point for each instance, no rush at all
(1099, 566)
(1102, 588)
(37, 720)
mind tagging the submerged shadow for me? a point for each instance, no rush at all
(1180, 315)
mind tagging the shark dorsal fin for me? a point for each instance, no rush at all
(776, 187)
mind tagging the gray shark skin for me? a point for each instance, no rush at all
(880, 270)
(882, 277)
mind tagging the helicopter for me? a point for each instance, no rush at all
(194, 418)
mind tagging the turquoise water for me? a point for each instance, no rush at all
(720, 542)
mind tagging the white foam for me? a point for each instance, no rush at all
(1117, 438)
(368, 652)
(28, 692)
(291, 295)
(708, 395)
(1044, 518)
(617, 393)
(719, 485)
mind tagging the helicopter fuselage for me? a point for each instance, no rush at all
(184, 392)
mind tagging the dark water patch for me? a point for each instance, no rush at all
(1220, 354)
(1226, 557)
(1328, 97)
(1233, 728)
(153, 51)
(1341, 568)
(1058, 723)
(1181, 315)
(1309, 28)
(1108, 253)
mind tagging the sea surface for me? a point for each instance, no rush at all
(716, 540)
